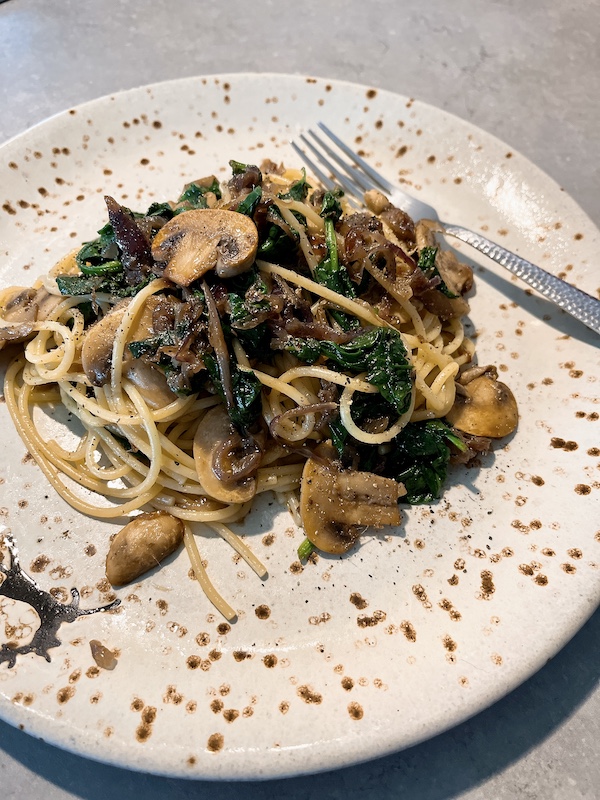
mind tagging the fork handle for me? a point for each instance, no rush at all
(579, 304)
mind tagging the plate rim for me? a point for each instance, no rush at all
(459, 716)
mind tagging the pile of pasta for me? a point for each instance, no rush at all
(182, 331)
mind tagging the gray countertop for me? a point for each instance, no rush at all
(526, 72)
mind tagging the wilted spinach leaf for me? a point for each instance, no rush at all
(246, 392)
(115, 285)
(419, 459)
(379, 352)
(298, 190)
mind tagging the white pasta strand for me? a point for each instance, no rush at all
(201, 576)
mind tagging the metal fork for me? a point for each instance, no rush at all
(357, 176)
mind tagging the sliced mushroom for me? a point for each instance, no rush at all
(141, 545)
(19, 312)
(96, 355)
(212, 434)
(376, 202)
(150, 381)
(336, 505)
(457, 276)
(203, 239)
(425, 231)
(484, 406)
(96, 352)
(20, 308)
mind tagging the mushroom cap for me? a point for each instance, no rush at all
(197, 241)
(215, 429)
(487, 408)
(335, 505)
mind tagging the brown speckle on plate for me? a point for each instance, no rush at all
(358, 600)
(421, 594)
(321, 618)
(241, 655)
(408, 630)
(215, 742)
(446, 605)
(370, 621)
(308, 694)
(65, 694)
(172, 696)
(487, 585)
(39, 564)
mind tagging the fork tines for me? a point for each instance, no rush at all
(354, 177)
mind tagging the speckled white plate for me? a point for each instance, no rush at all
(349, 658)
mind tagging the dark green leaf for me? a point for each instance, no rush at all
(160, 210)
(249, 203)
(100, 250)
(379, 352)
(194, 196)
(254, 340)
(246, 392)
(419, 459)
(334, 276)
(298, 190)
(150, 345)
(79, 285)
(105, 268)
(330, 207)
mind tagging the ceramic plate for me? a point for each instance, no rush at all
(347, 658)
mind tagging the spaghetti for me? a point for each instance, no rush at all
(203, 376)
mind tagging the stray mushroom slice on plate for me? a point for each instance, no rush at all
(141, 545)
(336, 505)
(197, 241)
(221, 475)
(484, 406)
